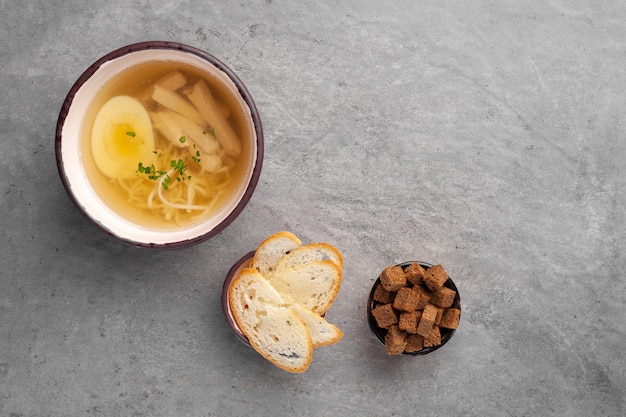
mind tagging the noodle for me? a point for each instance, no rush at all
(190, 173)
(186, 198)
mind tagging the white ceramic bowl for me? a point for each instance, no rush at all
(71, 161)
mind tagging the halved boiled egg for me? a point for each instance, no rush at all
(121, 137)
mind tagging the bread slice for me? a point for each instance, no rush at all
(309, 253)
(313, 285)
(273, 329)
(272, 249)
(322, 332)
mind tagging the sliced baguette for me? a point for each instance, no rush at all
(322, 332)
(309, 253)
(274, 330)
(313, 285)
(271, 251)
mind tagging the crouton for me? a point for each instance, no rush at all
(438, 316)
(382, 296)
(425, 295)
(427, 320)
(406, 299)
(451, 318)
(433, 338)
(443, 297)
(392, 278)
(408, 321)
(385, 315)
(395, 340)
(435, 277)
(414, 273)
(414, 343)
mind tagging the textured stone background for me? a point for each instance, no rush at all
(485, 136)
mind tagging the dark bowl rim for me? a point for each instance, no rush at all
(225, 302)
(245, 94)
(380, 333)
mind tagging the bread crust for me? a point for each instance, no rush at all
(275, 310)
(272, 249)
(311, 252)
(286, 323)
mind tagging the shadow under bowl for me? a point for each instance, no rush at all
(446, 334)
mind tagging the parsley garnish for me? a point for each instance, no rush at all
(156, 174)
(196, 158)
(211, 131)
(178, 166)
(131, 133)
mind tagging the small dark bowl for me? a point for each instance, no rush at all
(242, 263)
(446, 334)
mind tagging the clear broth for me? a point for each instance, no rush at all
(133, 81)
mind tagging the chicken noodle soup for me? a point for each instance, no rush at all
(164, 144)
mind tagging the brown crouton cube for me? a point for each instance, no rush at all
(395, 340)
(414, 273)
(408, 321)
(414, 343)
(385, 315)
(435, 277)
(427, 320)
(450, 319)
(433, 338)
(438, 316)
(443, 297)
(425, 295)
(382, 296)
(406, 299)
(392, 278)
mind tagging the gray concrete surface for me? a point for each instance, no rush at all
(485, 136)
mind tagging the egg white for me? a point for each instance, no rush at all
(122, 137)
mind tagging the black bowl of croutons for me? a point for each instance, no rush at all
(414, 308)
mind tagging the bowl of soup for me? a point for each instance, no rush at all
(159, 144)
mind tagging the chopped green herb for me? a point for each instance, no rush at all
(145, 170)
(155, 174)
(131, 134)
(182, 139)
(166, 182)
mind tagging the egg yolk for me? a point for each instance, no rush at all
(125, 140)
